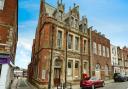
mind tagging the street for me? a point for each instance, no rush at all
(118, 85)
(23, 84)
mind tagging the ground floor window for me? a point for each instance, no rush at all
(76, 68)
(85, 67)
(70, 68)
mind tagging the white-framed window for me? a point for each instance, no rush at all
(70, 41)
(99, 49)
(59, 39)
(76, 43)
(2, 4)
(103, 50)
(94, 48)
(108, 51)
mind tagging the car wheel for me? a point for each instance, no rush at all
(103, 84)
(93, 87)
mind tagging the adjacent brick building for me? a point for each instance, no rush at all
(60, 49)
(120, 60)
(125, 58)
(100, 55)
(8, 40)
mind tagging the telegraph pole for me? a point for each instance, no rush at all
(66, 59)
(50, 72)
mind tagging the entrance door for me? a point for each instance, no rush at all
(97, 71)
(57, 76)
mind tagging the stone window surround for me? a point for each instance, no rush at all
(73, 45)
(62, 30)
(2, 4)
(73, 67)
(87, 70)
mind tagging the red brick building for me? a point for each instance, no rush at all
(100, 56)
(125, 58)
(8, 40)
(60, 50)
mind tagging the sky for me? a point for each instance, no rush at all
(110, 17)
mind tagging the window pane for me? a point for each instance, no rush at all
(70, 41)
(59, 42)
(76, 43)
(1, 4)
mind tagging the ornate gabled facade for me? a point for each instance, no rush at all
(60, 49)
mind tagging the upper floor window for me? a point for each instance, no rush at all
(99, 49)
(70, 41)
(94, 48)
(76, 43)
(107, 51)
(59, 39)
(1, 4)
(103, 50)
(84, 50)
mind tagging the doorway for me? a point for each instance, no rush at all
(57, 72)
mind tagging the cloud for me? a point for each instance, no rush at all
(25, 40)
(23, 54)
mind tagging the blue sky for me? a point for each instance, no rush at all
(109, 17)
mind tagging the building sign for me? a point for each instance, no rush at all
(4, 60)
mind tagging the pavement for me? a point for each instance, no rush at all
(14, 84)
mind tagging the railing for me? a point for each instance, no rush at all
(64, 86)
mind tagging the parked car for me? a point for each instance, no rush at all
(92, 83)
(119, 77)
(127, 77)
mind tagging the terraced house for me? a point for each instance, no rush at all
(100, 56)
(8, 41)
(60, 51)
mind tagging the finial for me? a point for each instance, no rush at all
(74, 4)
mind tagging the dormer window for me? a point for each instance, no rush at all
(1, 4)
(76, 23)
(60, 15)
(80, 27)
(72, 21)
